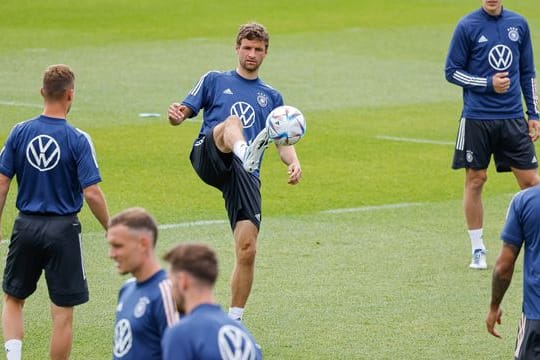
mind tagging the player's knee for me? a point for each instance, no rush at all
(476, 181)
(246, 255)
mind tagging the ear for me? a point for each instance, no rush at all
(183, 280)
(70, 94)
(42, 92)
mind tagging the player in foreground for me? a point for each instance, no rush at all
(55, 165)
(206, 332)
(145, 302)
(230, 145)
(491, 58)
(522, 229)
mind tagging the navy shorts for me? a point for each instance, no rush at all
(528, 339)
(224, 171)
(507, 140)
(46, 243)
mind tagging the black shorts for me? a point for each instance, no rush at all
(508, 140)
(50, 243)
(224, 171)
(528, 339)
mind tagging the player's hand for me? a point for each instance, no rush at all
(176, 113)
(494, 316)
(295, 173)
(501, 82)
(534, 129)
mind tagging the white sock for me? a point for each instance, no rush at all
(13, 349)
(477, 242)
(239, 148)
(236, 313)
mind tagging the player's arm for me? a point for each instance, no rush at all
(456, 64)
(96, 202)
(287, 153)
(4, 188)
(502, 276)
(178, 113)
(528, 84)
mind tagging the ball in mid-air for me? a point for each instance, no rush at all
(286, 125)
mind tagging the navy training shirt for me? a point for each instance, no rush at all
(483, 45)
(53, 162)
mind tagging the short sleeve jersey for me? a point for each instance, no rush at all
(53, 162)
(483, 45)
(143, 313)
(208, 333)
(522, 228)
(221, 94)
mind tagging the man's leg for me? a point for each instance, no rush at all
(62, 332)
(13, 326)
(474, 214)
(526, 178)
(245, 239)
(229, 136)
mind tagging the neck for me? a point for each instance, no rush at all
(55, 110)
(495, 12)
(198, 297)
(249, 75)
(147, 270)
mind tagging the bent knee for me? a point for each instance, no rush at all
(246, 255)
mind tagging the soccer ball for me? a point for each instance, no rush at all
(286, 125)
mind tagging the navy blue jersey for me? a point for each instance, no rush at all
(522, 228)
(53, 162)
(222, 94)
(208, 333)
(483, 45)
(143, 313)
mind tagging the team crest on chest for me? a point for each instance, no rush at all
(262, 99)
(513, 34)
(140, 308)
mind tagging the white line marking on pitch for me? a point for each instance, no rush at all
(370, 208)
(191, 223)
(413, 140)
(21, 104)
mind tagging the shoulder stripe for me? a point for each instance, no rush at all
(469, 80)
(168, 302)
(89, 139)
(199, 84)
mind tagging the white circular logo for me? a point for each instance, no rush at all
(245, 112)
(500, 57)
(234, 344)
(43, 152)
(513, 34)
(469, 156)
(140, 308)
(123, 338)
(262, 99)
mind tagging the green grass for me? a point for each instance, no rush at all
(387, 283)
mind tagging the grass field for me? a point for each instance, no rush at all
(386, 276)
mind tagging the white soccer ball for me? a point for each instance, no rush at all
(286, 125)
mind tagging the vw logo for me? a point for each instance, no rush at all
(245, 112)
(500, 57)
(43, 153)
(123, 338)
(234, 344)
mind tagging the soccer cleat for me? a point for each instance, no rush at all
(255, 150)
(479, 260)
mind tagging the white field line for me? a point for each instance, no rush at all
(191, 224)
(19, 104)
(371, 208)
(413, 140)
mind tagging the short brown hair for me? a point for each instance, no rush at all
(57, 79)
(136, 218)
(252, 31)
(198, 260)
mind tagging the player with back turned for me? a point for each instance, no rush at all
(228, 151)
(491, 58)
(56, 167)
